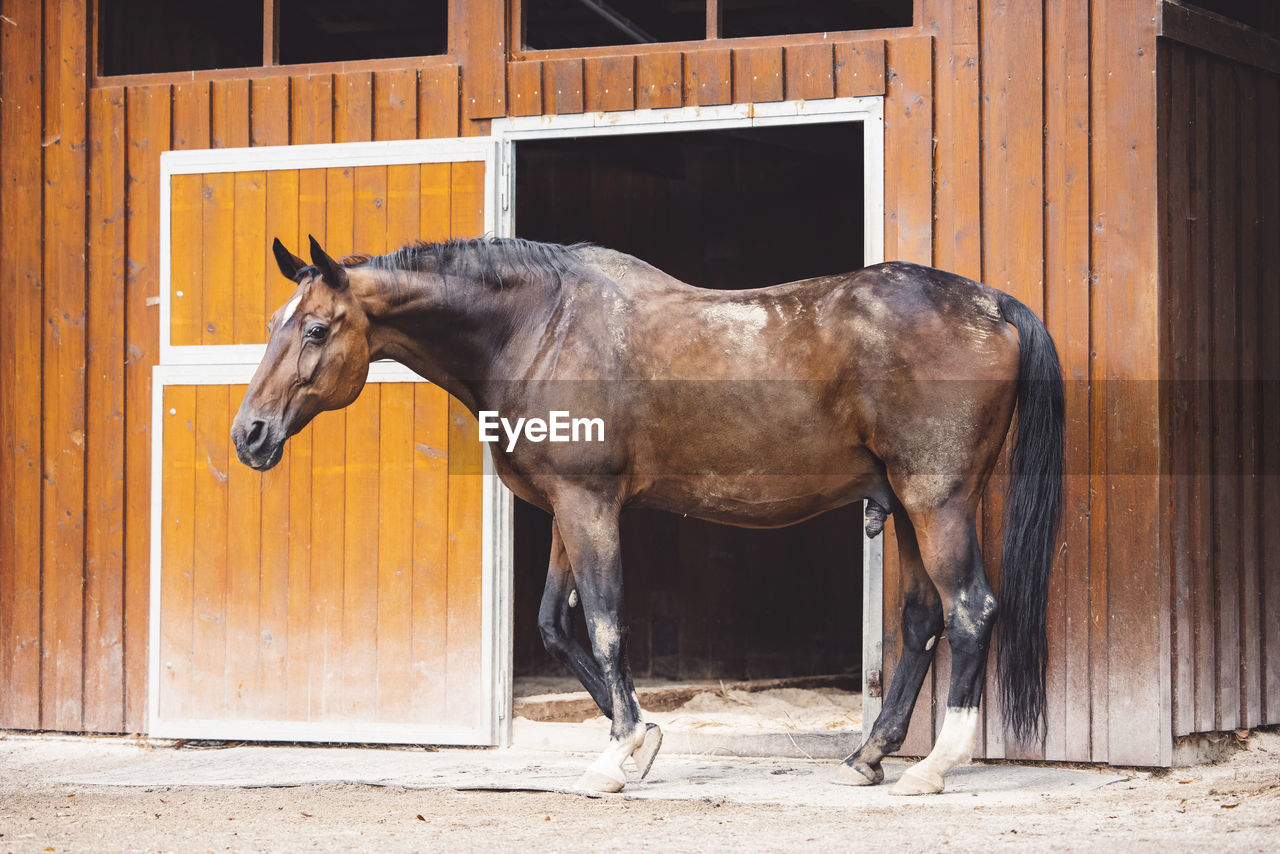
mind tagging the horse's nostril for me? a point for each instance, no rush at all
(256, 433)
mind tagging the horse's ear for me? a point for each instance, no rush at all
(289, 263)
(335, 275)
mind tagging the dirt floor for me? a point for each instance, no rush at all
(1233, 805)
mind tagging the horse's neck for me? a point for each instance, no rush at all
(459, 339)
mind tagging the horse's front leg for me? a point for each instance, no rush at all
(555, 622)
(588, 527)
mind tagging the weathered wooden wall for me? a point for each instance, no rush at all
(1021, 148)
(1220, 257)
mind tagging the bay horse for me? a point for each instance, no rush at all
(895, 384)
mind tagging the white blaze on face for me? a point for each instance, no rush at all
(289, 309)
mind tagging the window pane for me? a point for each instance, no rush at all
(550, 24)
(778, 17)
(338, 30)
(145, 36)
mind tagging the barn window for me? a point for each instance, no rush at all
(154, 36)
(145, 36)
(552, 24)
(337, 30)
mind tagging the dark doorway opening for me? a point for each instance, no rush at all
(717, 209)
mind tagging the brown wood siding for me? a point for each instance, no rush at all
(1220, 197)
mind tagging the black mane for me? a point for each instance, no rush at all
(496, 261)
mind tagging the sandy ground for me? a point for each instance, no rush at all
(1233, 805)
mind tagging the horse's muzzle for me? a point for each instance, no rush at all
(257, 445)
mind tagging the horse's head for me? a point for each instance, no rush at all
(317, 358)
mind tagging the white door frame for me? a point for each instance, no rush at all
(867, 110)
(234, 364)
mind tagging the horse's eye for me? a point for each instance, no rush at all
(315, 332)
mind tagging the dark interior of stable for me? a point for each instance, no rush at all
(717, 209)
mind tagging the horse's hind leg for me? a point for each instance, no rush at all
(921, 626)
(588, 527)
(949, 546)
(555, 622)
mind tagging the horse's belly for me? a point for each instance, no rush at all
(756, 500)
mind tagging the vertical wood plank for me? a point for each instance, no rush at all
(178, 539)
(757, 75)
(360, 575)
(1226, 402)
(186, 214)
(810, 71)
(1012, 218)
(245, 583)
(229, 113)
(483, 53)
(860, 66)
(562, 88)
(21, 340)
(63, 499)
(524, 88)
(328, 555)
(466, 201)
(312, 109)
(284, 192)
(659, 80)
(430, 548)
(353, 107)
(438, 97)
(269, 107)
(463, 642)
(1179, 310)
(1067, 316)
(249, 268)
(1251, 285)
(369, 223)
(208, 688)
(395, 104)
(149, 127)
(217, 255)
(104, 421)
(393, 527)
(1200, 355)
(302, 641)
(1125, 323)
(1268, 319)
(274, 640)
(404, 204)
(609, 83)
(708, 77)
(435, 202)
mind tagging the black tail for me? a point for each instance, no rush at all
(1033, 509)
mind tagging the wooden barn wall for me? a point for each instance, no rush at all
(1220, 250)
(1020, 142)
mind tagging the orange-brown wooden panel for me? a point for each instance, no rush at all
(382, 620)
(435, 207)
(186, 218)
(250, 268)
(269, 111)
(860, 68)
(283, 204)
(1067, 316)
(21, 330)
(438, 102)
(353, 107)
(562, 86)
(395, 104)
(709, 77)
(524, 87)
(609, 83)
(659, 80)
(148, 123)
(810, 72)
(104, 418)
(757, 75)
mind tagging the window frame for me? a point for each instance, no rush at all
(270, 66)
(521, 52)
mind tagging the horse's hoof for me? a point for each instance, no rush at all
(857, 774)
(914, 782)
(597, 781)
(644, 755)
